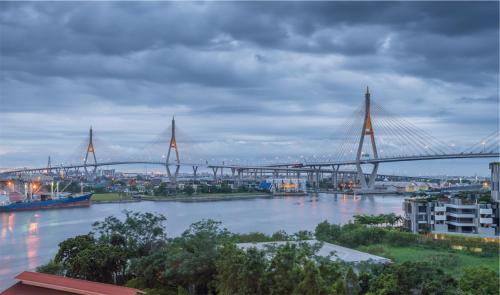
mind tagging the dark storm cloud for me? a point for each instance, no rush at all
(291, 69)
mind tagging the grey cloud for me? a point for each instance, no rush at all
(289, 72)
(490, 99)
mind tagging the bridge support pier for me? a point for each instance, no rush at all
(335, 174)
(173, 177)
(195, 170)
(214, 170)
(240, 172)
(318, 177)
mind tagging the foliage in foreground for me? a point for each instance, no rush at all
(205, 260)
(357, 234)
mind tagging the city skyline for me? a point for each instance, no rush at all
(244, 79)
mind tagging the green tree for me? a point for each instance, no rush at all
(139, 233)
(84, 257)
(479, 280)
(188, 260)
(69, 249)
(189, 190)
(51, 267)
(241, 272)
(413, 277)
(312, 283)
(327, 232)
(286, 269)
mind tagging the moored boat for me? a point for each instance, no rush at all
(81, 200)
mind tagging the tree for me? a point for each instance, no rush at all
(327, 232)
(240, 272)
(285, 270)
(188, 189)
(139, 233)
(100, 263)
(413, 277)
(69, 249)
(161, 190)
(191, 257)
(51, 267)
(85, 258)
(312, 283)
(479, 280)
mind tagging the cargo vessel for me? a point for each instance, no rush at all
(81, 200)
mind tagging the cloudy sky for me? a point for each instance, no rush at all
(245, 81)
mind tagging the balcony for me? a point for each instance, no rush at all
(487, 220)
(440, 209)
(461, 215)
(461, 206)
(439, 217)
(486, 211)
(459, 223)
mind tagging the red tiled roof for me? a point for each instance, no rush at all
(22, 289)
(71, 286)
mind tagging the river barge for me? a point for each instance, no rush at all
(82, 200)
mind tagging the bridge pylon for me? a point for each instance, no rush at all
(367, 130)
(49, 166)
(90, 150)
(173, 146)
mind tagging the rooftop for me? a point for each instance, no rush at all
(40, 284)
(335, 251)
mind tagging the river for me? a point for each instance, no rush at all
(28, 239)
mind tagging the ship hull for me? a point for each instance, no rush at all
(70, 202)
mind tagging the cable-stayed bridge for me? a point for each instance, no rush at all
(372, 136)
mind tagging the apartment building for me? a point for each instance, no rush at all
(495, 181)
(451, 215)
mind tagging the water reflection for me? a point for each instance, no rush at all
(12, 217)
(32, 245)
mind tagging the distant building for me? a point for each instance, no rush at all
(108, 172)
(451, 215)
(284, 184)
(31, 283)
(495, 181)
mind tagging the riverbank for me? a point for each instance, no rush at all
(108, 198)
(206, 197)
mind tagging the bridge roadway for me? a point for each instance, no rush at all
(295, 166)
(394, 159)
(307, 167)
(235, 167)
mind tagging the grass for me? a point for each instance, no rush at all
(108, 197)
(452, 262)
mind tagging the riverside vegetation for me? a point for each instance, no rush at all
(135, 251)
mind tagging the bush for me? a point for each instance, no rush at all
(479, 281)
(398, 238)
(445, 260)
